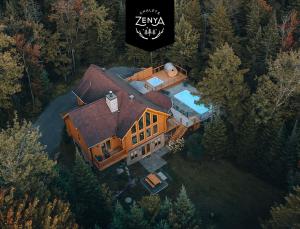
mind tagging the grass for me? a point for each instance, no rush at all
(237, 198)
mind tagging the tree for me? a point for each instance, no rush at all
(191, 11)
(223, 85)
(136, 218)
(120, 217)
(73, 19)
(11, 70)
(286, 215)
(87, 200)
(151, 206)
(184, 50)
(221, 30)
(29, 212)
(277, 87)
(23, 162)
(183, 212)
(215, 138)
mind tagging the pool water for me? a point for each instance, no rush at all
(187, 98)
(154, 81)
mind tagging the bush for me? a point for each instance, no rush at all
(177, 145)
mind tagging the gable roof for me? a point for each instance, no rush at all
(96, 122)
(94, 85)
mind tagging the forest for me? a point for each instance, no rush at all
(242, 55)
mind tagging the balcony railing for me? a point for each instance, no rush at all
(114, 158)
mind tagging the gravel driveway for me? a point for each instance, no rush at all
(50, 122)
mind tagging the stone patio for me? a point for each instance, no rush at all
(154, 161)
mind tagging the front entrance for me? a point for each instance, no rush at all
(146, 149)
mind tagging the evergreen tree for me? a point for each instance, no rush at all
(183, 212)
(221, 30)
(286, 215)
(120, 217)
(184, 50)
(151, 207)
(215, 138)
(23, 162)
(137, 219)
(28, 212)
(223, 85)
(86, 198)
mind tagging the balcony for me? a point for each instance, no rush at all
(112, 158)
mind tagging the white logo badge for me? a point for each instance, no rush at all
(149, 24)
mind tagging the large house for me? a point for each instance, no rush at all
(128, 118)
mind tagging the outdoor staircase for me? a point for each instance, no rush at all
(180, 131)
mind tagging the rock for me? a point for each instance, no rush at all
(128, 200)
(120, 171)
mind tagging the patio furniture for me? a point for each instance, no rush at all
(162, 176)
(152, 180)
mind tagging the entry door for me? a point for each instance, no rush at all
(148, 149)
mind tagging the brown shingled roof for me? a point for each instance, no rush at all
(94, 85)
(95, 121)
(159, 99)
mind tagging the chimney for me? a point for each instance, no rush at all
(112, 102)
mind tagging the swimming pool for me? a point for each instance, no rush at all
(188, 99)
(154, 81)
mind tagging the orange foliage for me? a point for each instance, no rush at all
(32, 51)
(263, 4)
(288, 29)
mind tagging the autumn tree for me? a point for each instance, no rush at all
(23, 162)
(11, 70)
(286, 215)
(30, 212)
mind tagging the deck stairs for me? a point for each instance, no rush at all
(180, 131)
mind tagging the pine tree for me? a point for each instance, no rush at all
(223, 85)
(191, 11)
(136, 218)
(286, 215)
(183, 212)
(11, 70)
(23, 162)
(151, 206)
(215, 138)
(184, 50)
(120, 217)
(221, 30)
(86, 198)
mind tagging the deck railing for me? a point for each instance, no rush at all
(111, 160)
(170, 82)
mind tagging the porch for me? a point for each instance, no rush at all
(110, 158)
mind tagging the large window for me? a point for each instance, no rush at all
(133, 129)
(141, 124)
(142, 136)
(154, 118)
(108, 145)
(154, 129)
(148, 132)
(148, 119)
(134, 139)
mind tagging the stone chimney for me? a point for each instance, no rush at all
(112, 102)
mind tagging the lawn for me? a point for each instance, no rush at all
(237, 198)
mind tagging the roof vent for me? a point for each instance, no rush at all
(112, 102)
(131, 97)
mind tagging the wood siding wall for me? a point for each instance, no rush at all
(144, 74)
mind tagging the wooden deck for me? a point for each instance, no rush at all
(160, 73)
(114, 158)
